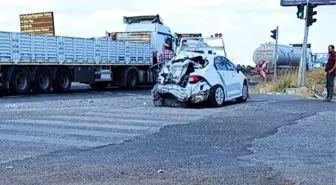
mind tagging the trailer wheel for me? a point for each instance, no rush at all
(62, 82)
(42, 81)
(20, 81)
(132, 79)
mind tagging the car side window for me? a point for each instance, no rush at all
(227, 64)
(219, 63)
(233, 66)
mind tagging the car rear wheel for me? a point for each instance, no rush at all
(245, 94)
(157, 100)
(217, 96)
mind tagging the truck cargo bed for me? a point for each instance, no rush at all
(20, 48)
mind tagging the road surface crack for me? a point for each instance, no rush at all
(276, 130)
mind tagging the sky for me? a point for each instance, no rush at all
(245, 24)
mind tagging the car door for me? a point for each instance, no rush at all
(225, 75)
(235, 80)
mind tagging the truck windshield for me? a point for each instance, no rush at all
(203, 45)
(179, 36)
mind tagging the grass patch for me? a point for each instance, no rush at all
(315, 81)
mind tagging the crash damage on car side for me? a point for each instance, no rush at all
(177, 86)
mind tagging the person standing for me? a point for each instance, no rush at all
(166, 54)
(330, 70)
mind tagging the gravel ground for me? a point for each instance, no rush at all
(120, 138)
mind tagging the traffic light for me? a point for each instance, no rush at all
(218, 35)
(274, 34)
(300, 11)
(310, 14)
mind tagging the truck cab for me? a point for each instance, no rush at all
(179, 36)
(147, 28)
(194, 42)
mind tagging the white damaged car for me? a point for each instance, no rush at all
(195, 77)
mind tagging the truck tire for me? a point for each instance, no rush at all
(216, 96)
(62, 82)
(132, 79)
(42, 81)
(20, 81)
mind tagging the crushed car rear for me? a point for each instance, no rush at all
(180, 81)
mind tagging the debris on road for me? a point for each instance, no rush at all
(160, 171)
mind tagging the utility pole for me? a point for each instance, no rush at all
(308, 22)
(275, 36)
(302, 70)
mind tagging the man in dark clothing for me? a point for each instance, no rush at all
(330, 70)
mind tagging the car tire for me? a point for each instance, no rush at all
(157, 100)
(245, 94)
(216, 96)
(186, 104)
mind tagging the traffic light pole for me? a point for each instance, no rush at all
(276, 52)
(302, 71)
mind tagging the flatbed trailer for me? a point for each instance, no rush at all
(43, 63)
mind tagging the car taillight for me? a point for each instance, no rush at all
(194, 79)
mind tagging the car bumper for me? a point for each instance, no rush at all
(195, 93)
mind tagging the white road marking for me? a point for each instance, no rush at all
(93, 127)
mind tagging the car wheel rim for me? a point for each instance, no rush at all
(245, 92)
(219, 95)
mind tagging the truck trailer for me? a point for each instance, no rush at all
(44, 63)
(287, 55)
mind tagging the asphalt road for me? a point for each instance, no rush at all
(118, 137)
